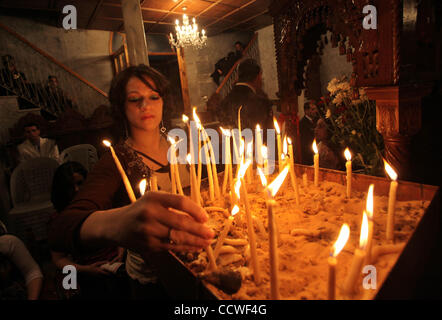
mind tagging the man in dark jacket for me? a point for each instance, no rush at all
(307, 131)
(247, 92)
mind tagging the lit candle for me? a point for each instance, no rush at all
(316, 163)
(266, 161)
(193, 183)
(292, 171)
(358, 259)
(391, 200)
(332, 260)
(278, 141)
(347, 155)
(225, 231)
(172, 165)
(250, 157)
(126, 181)
(250, 229)
(213, 162)
(179, 187)
(227, 161)
(142, 186)
(186, 121)
(258, 146)
(369, 211)
(199, 155)
(210, 165)
(272, 189)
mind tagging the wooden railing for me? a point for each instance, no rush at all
(36, 65)
(250, 51)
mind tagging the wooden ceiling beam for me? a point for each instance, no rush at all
(94, 13)
(144, 21)
(170, 11)
(230, 13)
(244, 21)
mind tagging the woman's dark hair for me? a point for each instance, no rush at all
(117, 92)
(63, 184)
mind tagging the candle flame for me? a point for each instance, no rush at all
(185, 118)
(289, 140)
(172, 140)
(364, 232)
(315, 147)
(341, 241)
(189, 158)
(195, 116)
(263, 177)
(225, 131)
(264, 152)
(390, 171)
(237, 187)
(107, 143)
(142, 186)
(241, 148)
(347, 154)
(235, 210)
(258, 127)
(369, 206)
(243, 168)
(276, 184)
(284, 146)
(275, 122)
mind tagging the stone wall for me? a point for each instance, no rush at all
(267, 54)
(200, 63)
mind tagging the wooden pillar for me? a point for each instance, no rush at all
(398, 118)
(135, 34)
(183, 79)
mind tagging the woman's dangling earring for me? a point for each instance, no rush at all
(163, 128)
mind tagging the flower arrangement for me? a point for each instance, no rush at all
(352, 119)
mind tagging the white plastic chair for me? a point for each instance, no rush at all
(86, 154)
(31, 184)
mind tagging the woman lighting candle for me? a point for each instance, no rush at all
(332, 260)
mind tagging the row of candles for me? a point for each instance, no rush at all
(238, 194)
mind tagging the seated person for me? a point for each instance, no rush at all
(20, 275)
(34, 146)
(327, 152)
(95, 281)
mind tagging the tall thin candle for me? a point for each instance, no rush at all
(316, 163)
(123, 175)
(347, 155)
(332, 260)
(292, 171)
(391, 200)
(279, 143)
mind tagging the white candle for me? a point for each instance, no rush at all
(292, 171)
(272, 189)
(123, 175)
(316, 163)
(347, 155)
(369, 210)
(391, 201)
(358, 259)
(213, 163)
(193, 183)
(258, 145)
(227, 160)
(172, 166)
(332, 260)
(278, 141)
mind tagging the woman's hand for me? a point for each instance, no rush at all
(120, 255)
(152, 223)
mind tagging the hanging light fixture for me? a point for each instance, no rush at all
(188, 35)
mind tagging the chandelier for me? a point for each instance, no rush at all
(188, 35)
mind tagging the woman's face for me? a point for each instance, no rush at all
(321, 130)
(144, 106)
